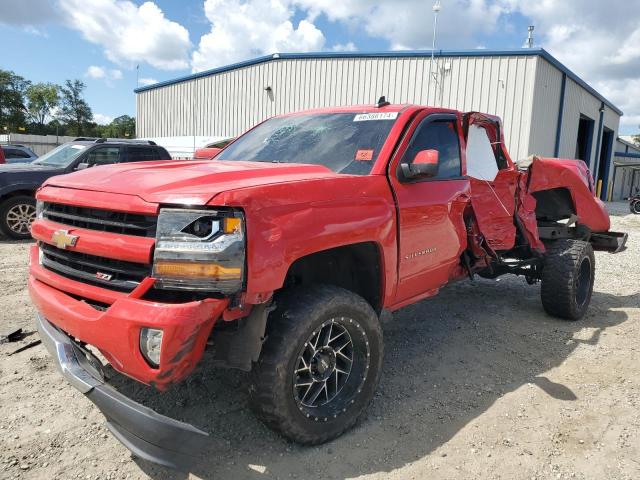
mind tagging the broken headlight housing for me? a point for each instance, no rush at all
(200, 250)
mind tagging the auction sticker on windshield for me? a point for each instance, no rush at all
(364, 117)
(364, 155)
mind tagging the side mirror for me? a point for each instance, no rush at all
(82, 166)
(425, 165)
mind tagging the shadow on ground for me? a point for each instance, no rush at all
(447, 360)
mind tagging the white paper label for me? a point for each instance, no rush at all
(364, 117)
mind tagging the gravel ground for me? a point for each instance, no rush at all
(478, 382)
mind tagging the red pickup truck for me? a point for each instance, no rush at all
(279, 256)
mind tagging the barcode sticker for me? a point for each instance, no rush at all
(365, 117)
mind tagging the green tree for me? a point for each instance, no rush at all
(74, 110)
(12, 101)
(123, 126)
(55, 127)
(42, 98)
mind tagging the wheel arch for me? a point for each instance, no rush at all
(554, 204)
(23, 190)
(356, 267)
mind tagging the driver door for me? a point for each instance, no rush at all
(493, 180)
(430, 210)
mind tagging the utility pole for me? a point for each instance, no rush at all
(436, 9)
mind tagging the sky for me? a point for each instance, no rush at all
(114, 45)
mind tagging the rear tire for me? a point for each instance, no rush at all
(16, 215)
(634, 206)
(567, 278)
(298, 360)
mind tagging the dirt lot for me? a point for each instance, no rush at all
(478, 383)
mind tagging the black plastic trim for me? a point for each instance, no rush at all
(146, 433)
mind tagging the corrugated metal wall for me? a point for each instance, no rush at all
(228, 103)
(577, 102)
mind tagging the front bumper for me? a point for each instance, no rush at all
(115, 330)
(147, 434)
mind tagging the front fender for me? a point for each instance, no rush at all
(286, 222)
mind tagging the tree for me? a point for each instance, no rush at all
(12, 104)
(42, 98)
(123, 126)
(74, 111)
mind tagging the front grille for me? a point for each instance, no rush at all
(99, 271)
(103, 220)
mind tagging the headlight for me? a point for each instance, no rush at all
(199, 250)
(151, 345)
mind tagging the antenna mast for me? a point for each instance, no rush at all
(529, 42)
(436, 9)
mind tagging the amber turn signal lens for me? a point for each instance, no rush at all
(231, 225)
(195, 270)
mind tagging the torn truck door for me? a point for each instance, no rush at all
(492, 178)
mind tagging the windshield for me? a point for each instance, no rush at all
(344, 142)
(61, 156)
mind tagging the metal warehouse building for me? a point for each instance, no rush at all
(626, 168)
(546, 108)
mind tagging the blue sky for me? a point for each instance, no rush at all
(102, 41)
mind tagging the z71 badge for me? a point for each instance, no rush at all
(103, 276)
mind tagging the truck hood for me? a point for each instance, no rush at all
(187, 182)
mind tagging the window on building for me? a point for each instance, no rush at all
(584, 140)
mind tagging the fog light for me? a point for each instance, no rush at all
(151, 345)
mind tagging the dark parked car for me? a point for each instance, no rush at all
(14, 153)
(19, 182)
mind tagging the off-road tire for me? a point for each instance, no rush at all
(634, 207)
(567, 278)
(13, 204)
(299, 314)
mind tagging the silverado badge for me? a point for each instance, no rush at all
(63, 239)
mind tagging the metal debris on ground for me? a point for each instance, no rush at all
(13, 336)
(25, 347)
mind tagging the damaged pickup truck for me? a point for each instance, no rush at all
(278, 257)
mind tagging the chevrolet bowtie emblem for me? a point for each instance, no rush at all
(63, 239)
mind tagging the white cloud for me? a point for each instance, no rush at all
(242, 29)
(406, 24)
(31, 30)
(95, 72)
(101, 73)
(147, 81)
(115, 74)
(101, 119)
(129, 33)
(344, 47)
